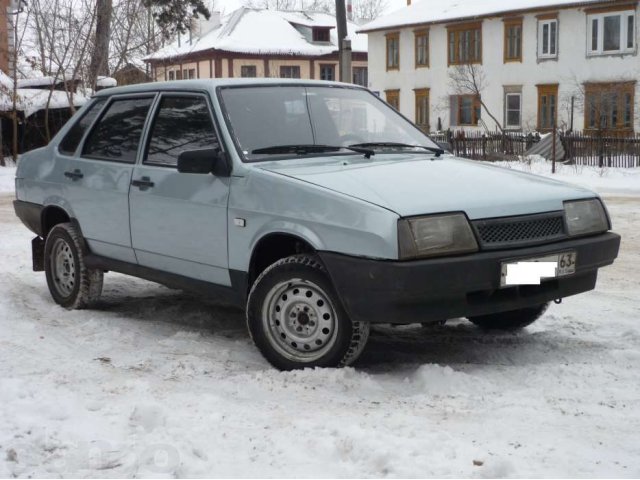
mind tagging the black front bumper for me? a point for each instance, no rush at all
(382, 291)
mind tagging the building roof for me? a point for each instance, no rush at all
(265, 32)
(438, 11)
(31, 100)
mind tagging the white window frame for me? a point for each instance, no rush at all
(506, 110)
(541, 25)
(624, 22)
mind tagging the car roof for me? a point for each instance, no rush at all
(209, 83)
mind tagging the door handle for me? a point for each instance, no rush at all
(143, 183)
(75, 175)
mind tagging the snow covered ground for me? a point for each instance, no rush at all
(155, 382)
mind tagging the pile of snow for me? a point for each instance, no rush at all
(32, 100)
(7, 178)
(106, 82)
(605, 181)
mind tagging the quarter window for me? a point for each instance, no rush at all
(181, 124)
(548, 38)
(611, 33)
(72, 139)
(117, 134)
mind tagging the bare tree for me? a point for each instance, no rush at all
(100, 54)
(367, 10)
(470, 79)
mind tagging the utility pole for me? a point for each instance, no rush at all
(344, 47)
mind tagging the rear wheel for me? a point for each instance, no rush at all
(296, 319)
(70, 282)
(513, 320)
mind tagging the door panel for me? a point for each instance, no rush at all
(98, 180)
(179, 220)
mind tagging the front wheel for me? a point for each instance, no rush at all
(513, 320)
(296, 319)
(70, 282)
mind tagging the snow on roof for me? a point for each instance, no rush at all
(31, 100)
(106, 82)
(264, 32)
(427, 11)
(40, 81)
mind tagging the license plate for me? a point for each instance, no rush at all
(531, 271)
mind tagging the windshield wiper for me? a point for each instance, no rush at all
(310, 148)
(437, 151)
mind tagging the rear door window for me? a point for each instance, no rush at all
(71, 140)
(117, 134)
(182, 123)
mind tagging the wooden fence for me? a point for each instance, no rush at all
(581, 148)
(485, 145)
(600, 150)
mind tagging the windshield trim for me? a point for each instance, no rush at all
(302, 84)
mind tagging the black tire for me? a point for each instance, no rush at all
(71, 284)
(296, 319)
(510, 321)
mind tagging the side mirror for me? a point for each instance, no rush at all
(210, 160)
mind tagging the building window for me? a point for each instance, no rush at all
(393, 98)
(465, 110)
(248, 71)
(611, 33)
(513, 110)
(361, 76)
(422, 48)
(513, 40)
(189, 74)
(172, 75)
(393, 51)
(548, 38)
(327, 71)
(290, 71)
(321, 35)
(178, 74)
(547, 107)
(609, 106)
(465, 44)
(422, 108)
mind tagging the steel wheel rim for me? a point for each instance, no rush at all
(299, 320)
(63, 267)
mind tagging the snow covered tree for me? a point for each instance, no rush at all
(174, 16)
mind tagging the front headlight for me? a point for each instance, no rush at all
(585, 216)
(435, 235)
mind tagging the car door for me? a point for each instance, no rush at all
(179, 220)
(98, 178)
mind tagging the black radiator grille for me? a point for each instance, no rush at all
(520, 231)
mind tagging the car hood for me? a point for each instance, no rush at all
(419, 184)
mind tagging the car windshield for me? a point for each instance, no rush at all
(268, 122)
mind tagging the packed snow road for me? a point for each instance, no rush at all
(158, 383)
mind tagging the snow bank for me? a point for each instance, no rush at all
(605, 181)
(7, 178)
